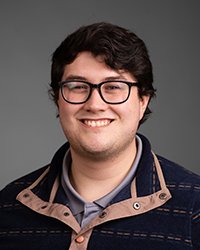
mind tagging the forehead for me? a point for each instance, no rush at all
(85, 60)
(93, 68)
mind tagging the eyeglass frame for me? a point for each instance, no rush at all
(98, 87)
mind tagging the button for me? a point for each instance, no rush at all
(26, 195)
(162, 196)
(43, 207)
(136, 205)
(102, 215)
(80, 239)
(66, 214)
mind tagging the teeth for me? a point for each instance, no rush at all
(96, 123)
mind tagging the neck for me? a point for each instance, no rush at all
(93, 179)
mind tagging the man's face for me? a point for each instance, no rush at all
(97, 129)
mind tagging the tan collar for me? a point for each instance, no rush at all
(126, 208)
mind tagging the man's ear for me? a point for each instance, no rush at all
(144, 101)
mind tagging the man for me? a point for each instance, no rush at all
(105, 188)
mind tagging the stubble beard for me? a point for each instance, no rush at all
(105, 152)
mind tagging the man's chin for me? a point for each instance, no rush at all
(94, 152)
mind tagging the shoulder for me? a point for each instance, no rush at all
(175, 173)
(184, 186)
(9, 193)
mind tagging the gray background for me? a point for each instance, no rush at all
(31, 30)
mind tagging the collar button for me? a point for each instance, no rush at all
(162, 196)
(26, 195)
(102, 215)
(66, 214)
(136, 205)
(79, 239)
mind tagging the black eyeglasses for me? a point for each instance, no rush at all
(111, 92)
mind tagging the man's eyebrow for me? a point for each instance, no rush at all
(118, 77)
(75, 77)
(108, 78)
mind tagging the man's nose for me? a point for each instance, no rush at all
(95, 102)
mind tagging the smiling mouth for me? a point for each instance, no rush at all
(97, 123)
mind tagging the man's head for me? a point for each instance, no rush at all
(119, 48)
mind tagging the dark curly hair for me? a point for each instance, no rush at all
(120, 49)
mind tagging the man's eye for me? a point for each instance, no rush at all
(79, 87)
(76, 86)
(113, 87)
